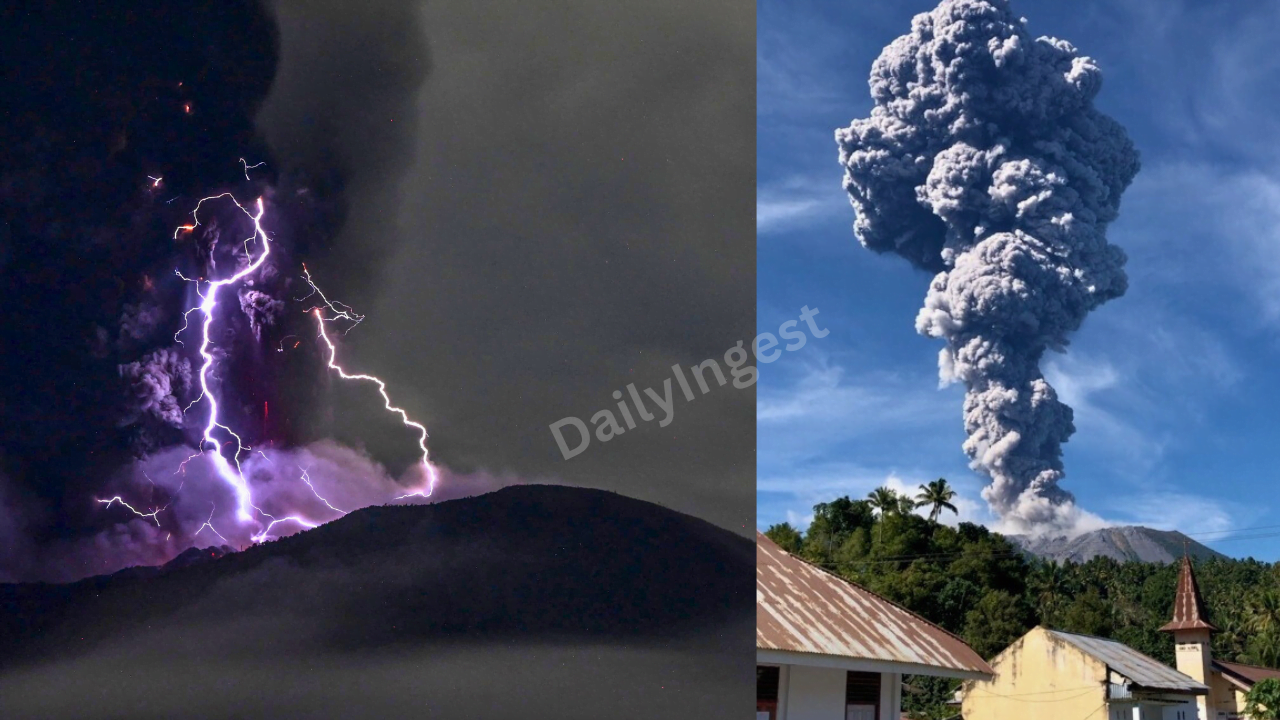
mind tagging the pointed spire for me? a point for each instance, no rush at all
(1188, 606)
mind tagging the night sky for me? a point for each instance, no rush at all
(533, 209)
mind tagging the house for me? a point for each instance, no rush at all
(828, 649)
(1052, 675)
(1228, 682)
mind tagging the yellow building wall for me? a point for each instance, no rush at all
(1193, 656)
(1228, 700)
(1039, 678)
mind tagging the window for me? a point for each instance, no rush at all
(862, 695)
(767, 677)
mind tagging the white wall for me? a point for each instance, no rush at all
(815, 693)
(1186, 711)
(890, 696)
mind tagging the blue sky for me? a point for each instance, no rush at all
(1175, 386)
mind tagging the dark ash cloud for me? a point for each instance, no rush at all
(534, 224)
(529, 225)
(155, 384)
(100, 98)
(985, 161)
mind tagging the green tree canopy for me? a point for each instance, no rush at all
(1262, 702)
(884, 500)
(938, 496)
(1088, 614)
(787, 537)
(979, 585)
(995, 622)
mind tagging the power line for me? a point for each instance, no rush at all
(1216, 532)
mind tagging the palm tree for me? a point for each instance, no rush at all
(1262, 612)
(938, 494)
(1264, 649)
(906, 504)
(885, 500)
(1047, 588)
(1232, 639)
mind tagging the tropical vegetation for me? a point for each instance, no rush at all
(1262, 702)
(978, 585)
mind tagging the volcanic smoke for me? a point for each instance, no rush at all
(232, 471)
(984, 160)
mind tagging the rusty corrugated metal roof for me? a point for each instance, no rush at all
(1250, 674)
(1141, 670)
(1188, 606)
(801, 608)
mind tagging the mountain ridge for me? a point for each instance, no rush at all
(493, 606)
(527, 561)
(1121, 543)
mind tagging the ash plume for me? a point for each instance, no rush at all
(139, 321)
(155, 383)
(118, 118)
(984, 160)
(260, 308)
(156, 106)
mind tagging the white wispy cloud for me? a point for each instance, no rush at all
(794, 79)
(1210, 232)
(1168, 509)
(799, 200)
(788, 82)
(823, 391)
(824, 408)
(1085, 384)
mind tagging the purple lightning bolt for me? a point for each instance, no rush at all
(136, 511)
(345, 312)
(209, 300)
(230, 469)
(209, 524)
(307, 479)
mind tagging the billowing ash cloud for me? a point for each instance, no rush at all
(154, 383)
(139, 321)
(260, 308)
(985, 161)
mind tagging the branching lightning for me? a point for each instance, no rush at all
(301, 521)
(209, 524)
(154, 514)
(216, 435)
(340, 310)
(248, 167)
(139, 513)
(209, 300)
(386, 399)
(307, 479)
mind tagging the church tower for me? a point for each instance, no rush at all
(1191, 634)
